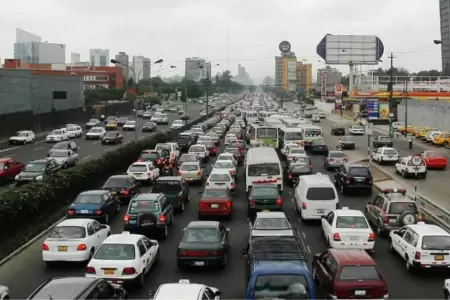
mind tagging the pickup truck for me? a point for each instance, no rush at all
(9, 168)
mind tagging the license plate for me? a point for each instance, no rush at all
(132, 222)
(359, 179)
(199, 263)
(62, 248)
(266, 210)
(353, 238)
(113, 193)
(360, 293)
(439, 257)
(392, 220)
(214, 205)
(84, 211)
(109, 271)
(320, 211)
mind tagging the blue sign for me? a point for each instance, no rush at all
(372, 108)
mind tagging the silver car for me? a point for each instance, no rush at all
(65, 158)
(334, 159)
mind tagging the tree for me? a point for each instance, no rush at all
(102, 94)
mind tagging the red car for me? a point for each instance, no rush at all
(434, 160)
(215, 201)
(9, 168)
(238, 144)
(349, 273)
(211, 148)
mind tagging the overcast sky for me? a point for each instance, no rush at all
(229, 32)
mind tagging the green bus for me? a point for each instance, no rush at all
(263, 135)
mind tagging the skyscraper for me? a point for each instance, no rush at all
(146, 72)
(195, 68)
(124, 60)
(304, 78)
(444, 12)
(99, 57)
(138, 66)
(75, 58)
(30, 49)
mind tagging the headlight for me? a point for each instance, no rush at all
(40, 177)
(17, 177)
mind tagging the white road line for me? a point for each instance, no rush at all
(308, 249)
(97, 142)
(86, 157)
(108, 149)
(126, 143)
(304, 235)
(40, 142)
(38, 148)
(8, 149)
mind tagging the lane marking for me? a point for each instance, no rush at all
(108, 149)
(8, 149)
(38, 148)
(97, 142)
(86, 157)
(304, 234)
(308, 249)
(126, 143)
(39, 142)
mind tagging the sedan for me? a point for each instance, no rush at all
(434, 160)
(215, 201)
(318, 146)
(112, 138)
(99, 205)
(149, 127)
(337, 130)
(334, 159)
(293, 172)
(347, 142)
(65, 158)
(191, 172)
(227, 165)
(383, 141)
(187, 158)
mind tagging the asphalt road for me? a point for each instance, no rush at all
(26, 271)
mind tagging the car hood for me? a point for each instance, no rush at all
(30, 174)
(17, 138)
(60, 160)
(54, 136)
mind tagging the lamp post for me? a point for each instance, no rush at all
(208, 81)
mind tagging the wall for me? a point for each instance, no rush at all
(431, 113)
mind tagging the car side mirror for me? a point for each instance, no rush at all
(103, 226)
(396, 232)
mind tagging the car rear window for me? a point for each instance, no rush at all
(89, 199)
(115, 252)
(359, 171)
(68, 232)
(336, 154)
(400, 207)
(359, 273)
(149, 156)
(351, 222)
(197, 149)
(320, 193)
(189, 167)
(138, 168)
(265, 192)
(436, 242)
(138, 206)
(390, 152)
(219, 177)
(117, 182)
(216, 194)
(280, 285)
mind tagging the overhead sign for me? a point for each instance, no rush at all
(284, 47)
(338, 90)
(351, 50)
(323, 86)
(416, 160)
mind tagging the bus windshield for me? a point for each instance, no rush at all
(269, 169)
(293, 136)
(266, 133)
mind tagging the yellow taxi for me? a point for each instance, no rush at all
(425, 132)
(111, 125)
(417, 131)
(409, 129)
(441, 139)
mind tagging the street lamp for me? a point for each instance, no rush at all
(208, 79)
(437, 42)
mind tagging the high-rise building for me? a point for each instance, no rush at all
(124, 60)
(195, 68)
(444, 12)
(29, 48)
(242, 76)
(333, 77)
(75, 58)
(23, 36)
(146, 71)
(138, 66)
(304, 78)
(99, 57)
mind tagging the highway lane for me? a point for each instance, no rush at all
(26, 271)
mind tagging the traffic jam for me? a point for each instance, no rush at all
(259, 160)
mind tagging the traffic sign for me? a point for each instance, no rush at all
(416, 160)
(369, 128)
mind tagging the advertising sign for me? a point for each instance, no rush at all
(338, 90)
(323, 86)
(352, 50)
(384, 110)
(284, 46)
(372, 108)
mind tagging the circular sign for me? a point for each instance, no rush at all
(284, 46)
(416, 160)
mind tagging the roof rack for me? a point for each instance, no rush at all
(278, 248)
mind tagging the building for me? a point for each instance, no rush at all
(40, 53)
(286, 72)
(278, 72)
(138, 66)
(23, 36)
(444, 12)
(99, 57)
(304, 78)
(333, 76)
(195, 68)
(124, 60)
(75, 58)
(146, 71)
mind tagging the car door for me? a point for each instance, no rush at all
(323, 271)
(327, 224)
(94, 239)
(109, 204)
(370, 209)
(165, 209)
(153, 250)
(224, 235)
(398, 238)
(377, 209)
(405, 244)
(145, 255)
(339, 175)
(101, 231)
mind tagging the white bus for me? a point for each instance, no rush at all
(263, 135)
(251, 117)
(290, 136)
(263, 164)
(311, 133)
(272, 122)
(291, 122)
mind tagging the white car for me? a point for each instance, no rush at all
(322, 115)
(57, 135)
(200, 150)
(227, 156)
(95, 133)
(204, 139)
(356, 130)
(190, 291)
(4, 293)
(155, 118)
(143, 171)
(203, 113)
(124, 258)
(220, 177)
(225, 165)
(163, 119)
(172, 147)
(348, 229)
(405, 168)
(74, 240)
(315, 118)
(385, 155)
(293, 152)
(177, 124)
(22, 137)
(129, 125)
(447, 289)
(74, 131)
(229, 138)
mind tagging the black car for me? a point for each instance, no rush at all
(36, 170)
(185, 141)
(99, 205)
(123, 186)
(175, 189)
(203, 244)
(294, 171)
(81, 288)
(149, 127)
(337, 130)
(121, 121)
(318, 147)
(383, 141)
(112, 137)
(185, 117)
(66, 145)
(354, 176)
(347, 142)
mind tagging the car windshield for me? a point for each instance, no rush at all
(336, 154)
(138, 168)
(183, 137)
(359, 171)
(265, 191)
(68, 232)
(167, 187)
(302, 159)
(219, 177)
(299, 169)
(96, 130)
(139, 206)
(60, 146)
(320, 194)
(148, 124)
(351, 222)
(21, 134)
(116, 182)
(93, 121)
(281, 286)
(189, 167)
(271, 223)
(268, 169)
(197, 149)
(234, 151)
(397, 208)
(436, 242)
(35, 167)
(384, 138)
(115, 252)
(130, 123)
(149, 156)
(347, 139)
(390, 152)
(57, 132)
(215, 194)
(188, 157)
(318, 142)
(223, 164)
(111, 134)
(59, 154)
(201, 235)
(161, 147)
(358, 273)
(297, 151)
(89, 199)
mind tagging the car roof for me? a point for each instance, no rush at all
(94, 192)
(174, 290)
(203, 224)
(271, 215)
(169, 178)
(123, 238)
(348, 212)
(146, 196)
(194, 163)
(74, 222)
(428, 229)
(70, 287)
(219, 171)
(352, 257)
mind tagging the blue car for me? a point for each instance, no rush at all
(99, 205)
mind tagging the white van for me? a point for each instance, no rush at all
(315, 196)
(262, 164)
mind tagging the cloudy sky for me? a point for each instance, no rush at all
(229, 32)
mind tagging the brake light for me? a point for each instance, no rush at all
(125, 192)
(336, 237)
(149, 174)
(71, 212)
(347, 180)
(162, 218)
(199, 173)
(419, 218)
(290, 176)
(45, 247)
(207, 183)
(303, 205)
(81, 247)
(417, 255)
(371, 237)
(228, 204)
(331, 159)
(203, 205)
(279, 202)
(290, 156)
(232, 185)
(139, 160)
(310, 166)
(90, 270)
(128, 271)
(251, 202)
(216, 253)
(126, 218)
(213, 149)
(232, 172)
(97, 212)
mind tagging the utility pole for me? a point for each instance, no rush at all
(406, 107)
(391, 92)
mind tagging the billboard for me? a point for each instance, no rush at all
(323, 86)
(338, 90)
(284, 47)
(350, 49)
